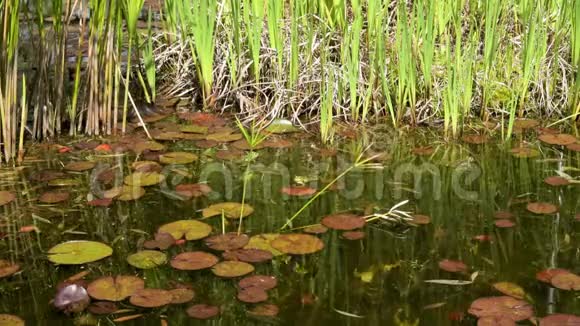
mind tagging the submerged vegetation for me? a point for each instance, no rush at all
(360, 61)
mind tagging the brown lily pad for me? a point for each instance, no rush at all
(230, 210)
(557, 139)
(526, 123)
(193, 190)
(495, 321)
(573, 147)
(243, 145)
(547, 274)
(278, 143)
(144, 179)
(190, 229)
(6, 197)
(423, 151)
(453, 266)
(560, 320)
(162, 241)
(232, 268)
(79, 166)
(353, 235)
(103, 308)
(148, 145)
(501, 307)
(177, 158)
(100, 202)
(229, 155)
(252, 295)
(297, 244)
(151, 298)
(54, 197)
(525, 152)
(116, 288)
(542, 208)
(475, 139)
(566, 281)
(8, 268)
(192, 261)
(503, 215)
(227, 241)
(264, 310)
(46, 175)
(298, 191)
(420, 219)
(248, 255)
(224, 137)
(264, 282)
(146, 166)
(204, 143)
(504, 223)
(345, 222)
(194, 129)
(556, 181)
(316, 229)
(181, 295)
(203, 311)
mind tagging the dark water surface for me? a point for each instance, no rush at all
(379, 280)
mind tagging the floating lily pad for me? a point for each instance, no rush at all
(202, 311)
(162, 241)
(151, 298)
(6, 197)
(232, 268)
(264, 282)
(511, 289)
(542, 208)
(525, 123)
(503, 215)
(557, 139)
(560, 320)
(192, 261)
(116, 288)
(166, 135)
(501, 307)
(103, 308)
(46, 175)
(353, 235)
(191, 229)
(345, 222)
(557, 181)
(243, 145)
(525, 152)
(193, 190)
(573, 147)
(147, 259)
(420, 219)
(78, 252)
(177, 158)
(252, 295)
(224, 137)
(315, 229)
(229, 154)
(263, 242)
(11, 320)
(229, 209)
(248, 255)
(281, 126)
(298, 191)
(180, 296)
(423, 151)
(146, 166)
(504, 223)
(149, 145)
(297, 244)
(475, 139)
(194, 129)
(144, 179)
(227, 241)
(54, 197)
(8, 268)
(547, 274)
(100, 202)
(264, 310)
(129, 193)
(278, 143)
(453, 266)
(566, 281)
(79, 166)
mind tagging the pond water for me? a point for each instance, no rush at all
(405, 271)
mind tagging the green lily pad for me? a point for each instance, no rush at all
(10, 320)
(224, 137)
(263, 242)
(147, 259)
(191, 229)
(297, 244)
(177, 158)
(281, 126)
(230, 210)
(116, 288)
(79, 166)
(143, 179)
(6, 197)
(149, 145)
(194, 129)
(129, 193)
(232, 268)
(78, 252)
(64, 183)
